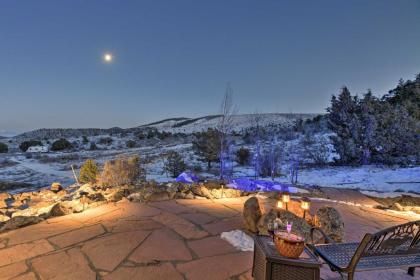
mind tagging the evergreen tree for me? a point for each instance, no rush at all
(174, 164)
(207, 146)
(3, 148)
(61, 144)
(243, 156)
(344, 122)
(89, 172)
(368, 113)
(24, 146)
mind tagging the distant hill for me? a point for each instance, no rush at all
(240, 122)
(173, 125)
(53, 133)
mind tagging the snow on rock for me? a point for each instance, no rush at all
(239, 240)
(187, 177)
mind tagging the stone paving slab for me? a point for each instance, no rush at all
(77, 236)
(163, 240)
(38, 231)
(217, 267)
(161, 245)
(128, 225)
(157, 272)
(211, 246)
(26, 276)
(108, 252)
(220, 226)
(181, 226)
(172, 206)
(24, 251)
(199, 218)
(12, 270)
(63, 265)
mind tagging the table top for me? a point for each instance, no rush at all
(307, 258)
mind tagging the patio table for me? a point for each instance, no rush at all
(268, 264)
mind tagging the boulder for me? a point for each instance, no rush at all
(299, 225)
(157, 196)
(201, 190)
(42, 209)
(3, 204)
(224, 192)
(20, 221)
(215, 190)
(4, 196)
(251, 214)
(266, 218)
(72, 206)
(3, 218)
(115, 194)
(56, 187)
(135, 197)
(330, 221)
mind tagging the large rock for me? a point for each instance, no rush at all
(3, 218)
(20, 221)
(115, 194)
(266, 218)
(330, 221)
(56, 187)
(215, 190)
(73, 206)
(3, 204)
(299, 225)
(43, 209)
(201, 190)
(252, 214)
(4, 196)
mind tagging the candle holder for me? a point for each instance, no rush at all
(286, 199)
(305, 203)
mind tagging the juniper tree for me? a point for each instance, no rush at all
(174, 164)
(207, 146)
(3, 148)
(89, 172)
(243, 155)
(343, 121)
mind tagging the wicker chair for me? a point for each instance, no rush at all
(394, 247)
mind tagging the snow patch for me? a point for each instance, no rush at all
(239, 240)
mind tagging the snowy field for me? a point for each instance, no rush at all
(40, 170)
(369, 178)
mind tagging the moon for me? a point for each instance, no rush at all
(108, 57)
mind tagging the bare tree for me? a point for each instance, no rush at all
(225, 128)
(256, 124)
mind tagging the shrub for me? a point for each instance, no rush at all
(122, 171)
(61, 144)
(105, 141)
(89, 172)
(85, 139)
(93, 146)
(24, 146)
(174, 164)
(242, 156)
(3, 148)
(130, 143)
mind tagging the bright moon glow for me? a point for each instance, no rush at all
(108, 57)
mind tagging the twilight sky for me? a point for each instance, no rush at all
(173, 58)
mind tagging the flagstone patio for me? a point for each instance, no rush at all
(161, 240)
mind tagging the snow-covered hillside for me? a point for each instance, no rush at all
(239, 122)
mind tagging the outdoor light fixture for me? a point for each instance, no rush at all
(286, 198)
(279, 204)
(305, 203)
